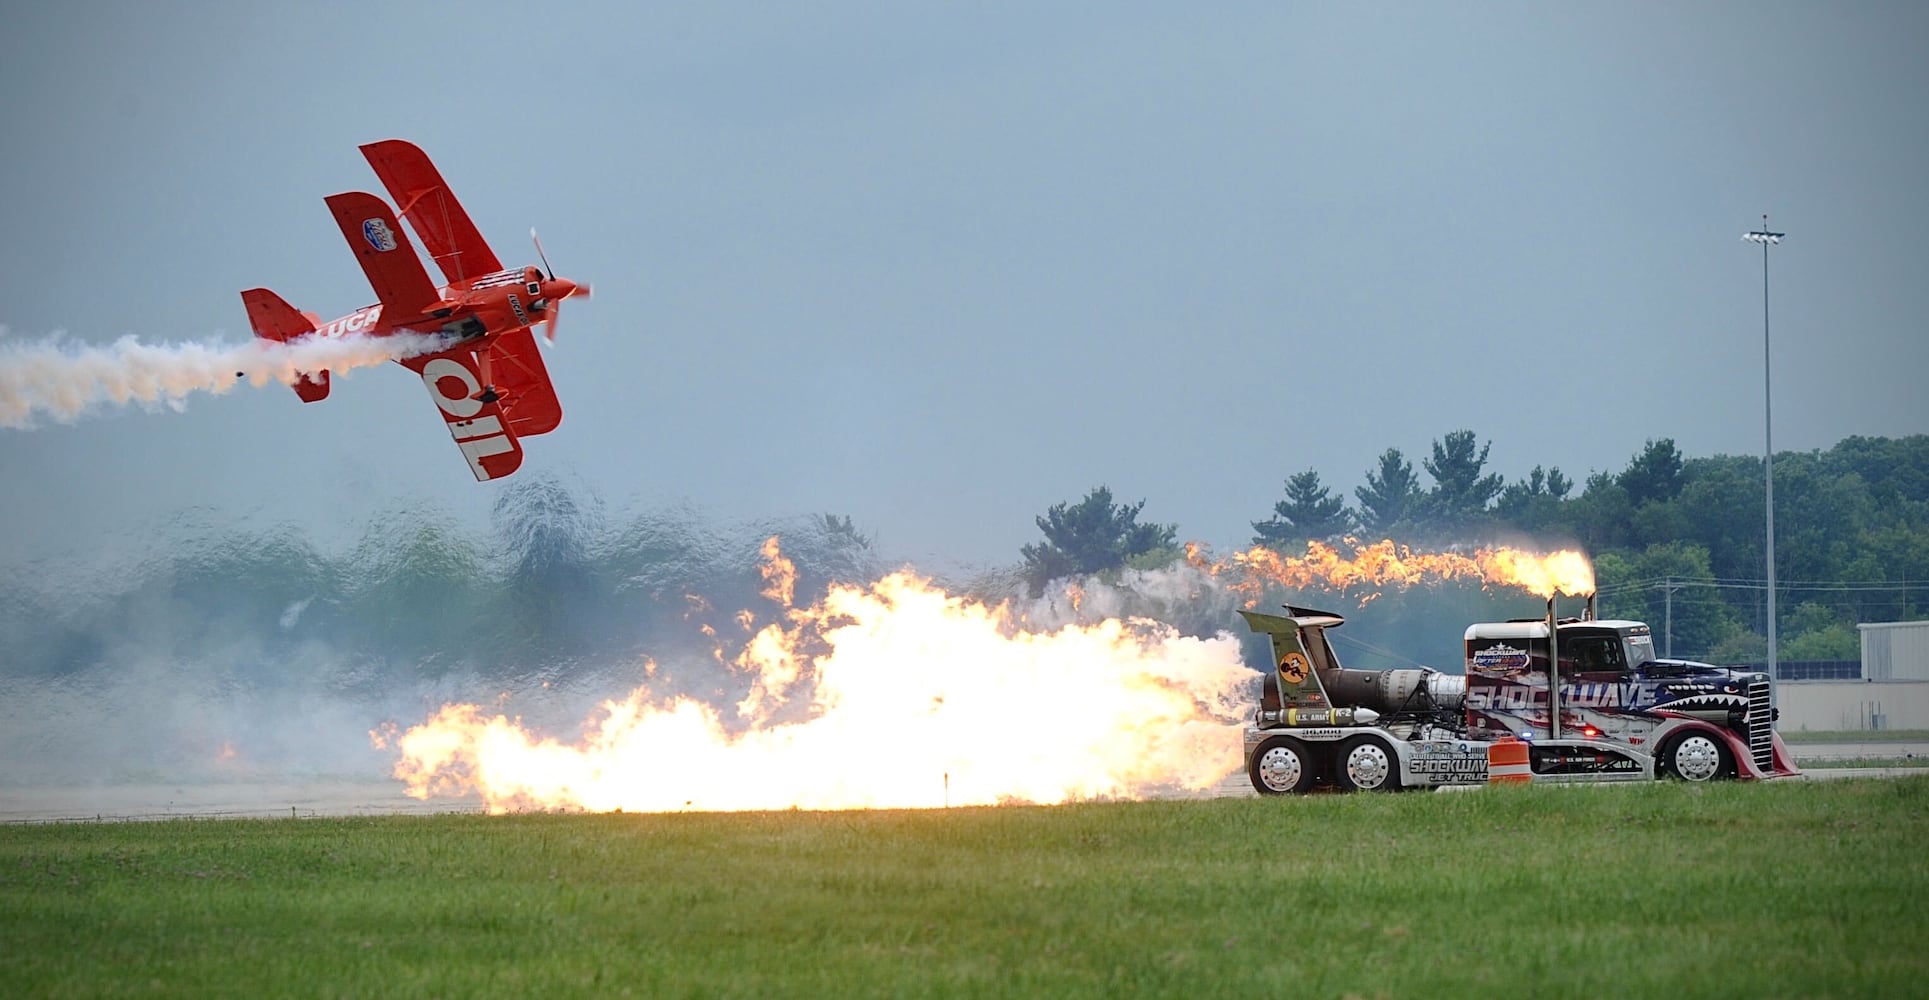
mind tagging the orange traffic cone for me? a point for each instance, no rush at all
(1507, 762)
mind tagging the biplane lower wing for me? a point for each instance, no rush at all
(452, 240)
(481, 430)
(386, 255)
(529, 398)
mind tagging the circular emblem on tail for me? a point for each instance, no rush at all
(1292, 667)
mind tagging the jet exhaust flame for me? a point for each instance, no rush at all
(1387, 563)
(897, 694)
(780, 575)
(891, 694)
(65, 381)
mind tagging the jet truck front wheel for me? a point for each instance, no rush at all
(1695, 757)
(1282, 766)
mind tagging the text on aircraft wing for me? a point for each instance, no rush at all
(478, 426)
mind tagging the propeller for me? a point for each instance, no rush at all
(539, 252)
(556, 289)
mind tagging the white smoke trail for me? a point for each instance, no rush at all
(64, 380)
(1181, 594)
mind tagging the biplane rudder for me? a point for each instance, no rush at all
(274, 319)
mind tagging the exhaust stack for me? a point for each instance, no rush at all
(1553, 674)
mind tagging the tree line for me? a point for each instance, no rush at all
(555, 585)
(1676, 541)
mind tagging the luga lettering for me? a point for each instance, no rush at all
(355, 322)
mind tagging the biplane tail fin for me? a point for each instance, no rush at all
(274, 319)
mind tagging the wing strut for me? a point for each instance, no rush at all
(452, 240)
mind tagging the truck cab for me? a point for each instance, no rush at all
(1617, 699)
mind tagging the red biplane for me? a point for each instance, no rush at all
(489, 382)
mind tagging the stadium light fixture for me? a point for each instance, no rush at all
(1766, 238)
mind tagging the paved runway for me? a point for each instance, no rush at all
(214, 800)
(1830, 753)
(342, 797)
(1859, 751)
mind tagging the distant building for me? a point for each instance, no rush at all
(1895, 651)
(1889, 689)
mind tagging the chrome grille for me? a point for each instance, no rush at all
(1761, 726)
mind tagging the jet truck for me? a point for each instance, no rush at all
(1607, 710)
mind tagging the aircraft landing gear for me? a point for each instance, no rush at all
(488, 394)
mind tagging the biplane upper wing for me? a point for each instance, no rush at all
(480, 428)
(529, 398)
(387, 257)
(453, 241)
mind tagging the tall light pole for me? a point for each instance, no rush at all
(1764, 237)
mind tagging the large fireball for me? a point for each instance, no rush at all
(898, 695)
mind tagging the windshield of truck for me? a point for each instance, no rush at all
(1640, 649)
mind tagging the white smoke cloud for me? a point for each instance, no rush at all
(65, 381)
(1180, 594)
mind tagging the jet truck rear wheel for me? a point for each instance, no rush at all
(1281, 766)
(1367, 765)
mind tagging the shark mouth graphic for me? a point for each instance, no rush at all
(1705, 703)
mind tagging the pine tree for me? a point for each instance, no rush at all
(1309, 512)
(1654, 475)
(1391, 495)
(1091, 536)
(1460, 495)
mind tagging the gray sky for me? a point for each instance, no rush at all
(939, 267)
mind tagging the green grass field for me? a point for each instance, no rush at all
(1781, 889)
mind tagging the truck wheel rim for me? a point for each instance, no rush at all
(1367, 765)
(1280, 769)
(1697, 758)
